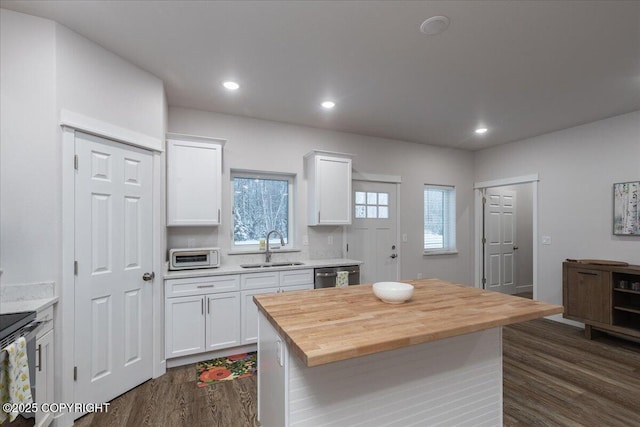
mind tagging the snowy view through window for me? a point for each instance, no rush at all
(439, 218)
(259, 206)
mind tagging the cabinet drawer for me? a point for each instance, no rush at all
(45, 316)
(201, 285)
(260, 280)
(296, 277)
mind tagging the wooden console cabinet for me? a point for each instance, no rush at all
(605, 298)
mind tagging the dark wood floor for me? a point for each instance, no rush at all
(553, 376)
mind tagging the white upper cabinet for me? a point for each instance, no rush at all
(194, 180)
(329, 181)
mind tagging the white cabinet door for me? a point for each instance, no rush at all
(329, 189)
(184, 326)
(223, 320)
(249, 312)
(44, 377)
(194, 177)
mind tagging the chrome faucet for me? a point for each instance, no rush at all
(267, 253)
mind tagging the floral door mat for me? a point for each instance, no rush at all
(226, 368)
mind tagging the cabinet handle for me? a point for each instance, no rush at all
(39, 358)
(208, 305)
(202, 305)
(588, 273)
(206, 286)
(218, 216)
(318, 216)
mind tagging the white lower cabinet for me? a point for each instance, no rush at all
(249, 310)
(201, 314)
(217, 312)
(184, 326)
(267, 283)
(223, 322)
(44, 366)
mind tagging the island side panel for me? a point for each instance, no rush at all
(454, 381)
(273, 363)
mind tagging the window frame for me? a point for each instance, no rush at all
(291, 187)
(449, 245)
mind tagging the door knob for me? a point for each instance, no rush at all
(394, 256)
(148, 276)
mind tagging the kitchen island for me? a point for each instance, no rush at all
(340, 356)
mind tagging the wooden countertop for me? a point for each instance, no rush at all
(328, 325)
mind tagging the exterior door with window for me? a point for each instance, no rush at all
(500, 235)
(372, 236)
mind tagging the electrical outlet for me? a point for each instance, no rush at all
(546, 240)
(419, 276)
(404, 237)
(305, 240)
(191, 243)
(330, 240)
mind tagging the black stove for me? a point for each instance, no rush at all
(11, 322)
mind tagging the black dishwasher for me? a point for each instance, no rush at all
(326, 277)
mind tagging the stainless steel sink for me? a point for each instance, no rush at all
(271, 264)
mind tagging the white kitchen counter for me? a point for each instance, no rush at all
(26, 305)
(236, 269)
(27, 297)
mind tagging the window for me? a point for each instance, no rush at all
(261, 203)
(372, 205)
(439, 219)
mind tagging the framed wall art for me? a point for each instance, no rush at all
(626, 214)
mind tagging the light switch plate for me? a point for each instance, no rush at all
(330, 240)
(546, 240)
(404, 237)
(305, 240)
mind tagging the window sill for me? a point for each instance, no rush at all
(257, 251)
(431, 253)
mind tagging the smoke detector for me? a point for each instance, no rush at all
(434, 25)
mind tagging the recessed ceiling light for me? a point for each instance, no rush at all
(328, 104)
(231, 85)
(434, 25)
(481, 131)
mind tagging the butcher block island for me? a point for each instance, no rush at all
(340, 356)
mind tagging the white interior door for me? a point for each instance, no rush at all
(500, 235)
(113, 247)
(372, 235)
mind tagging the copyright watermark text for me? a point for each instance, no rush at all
(55, 407)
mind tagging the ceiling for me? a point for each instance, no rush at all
(519, 68)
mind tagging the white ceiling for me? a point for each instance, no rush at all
(521, 68)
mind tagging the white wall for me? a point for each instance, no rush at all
(29, 153)
(577, 168)
(271, 146)
(45, 68)
(97, 83)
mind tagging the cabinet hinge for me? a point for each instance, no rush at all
(484, 200)
(75, 162)
(75, 267)
(484, 240)
(484, 281)
(75, 373)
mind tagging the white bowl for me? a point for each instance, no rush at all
(393, 292)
